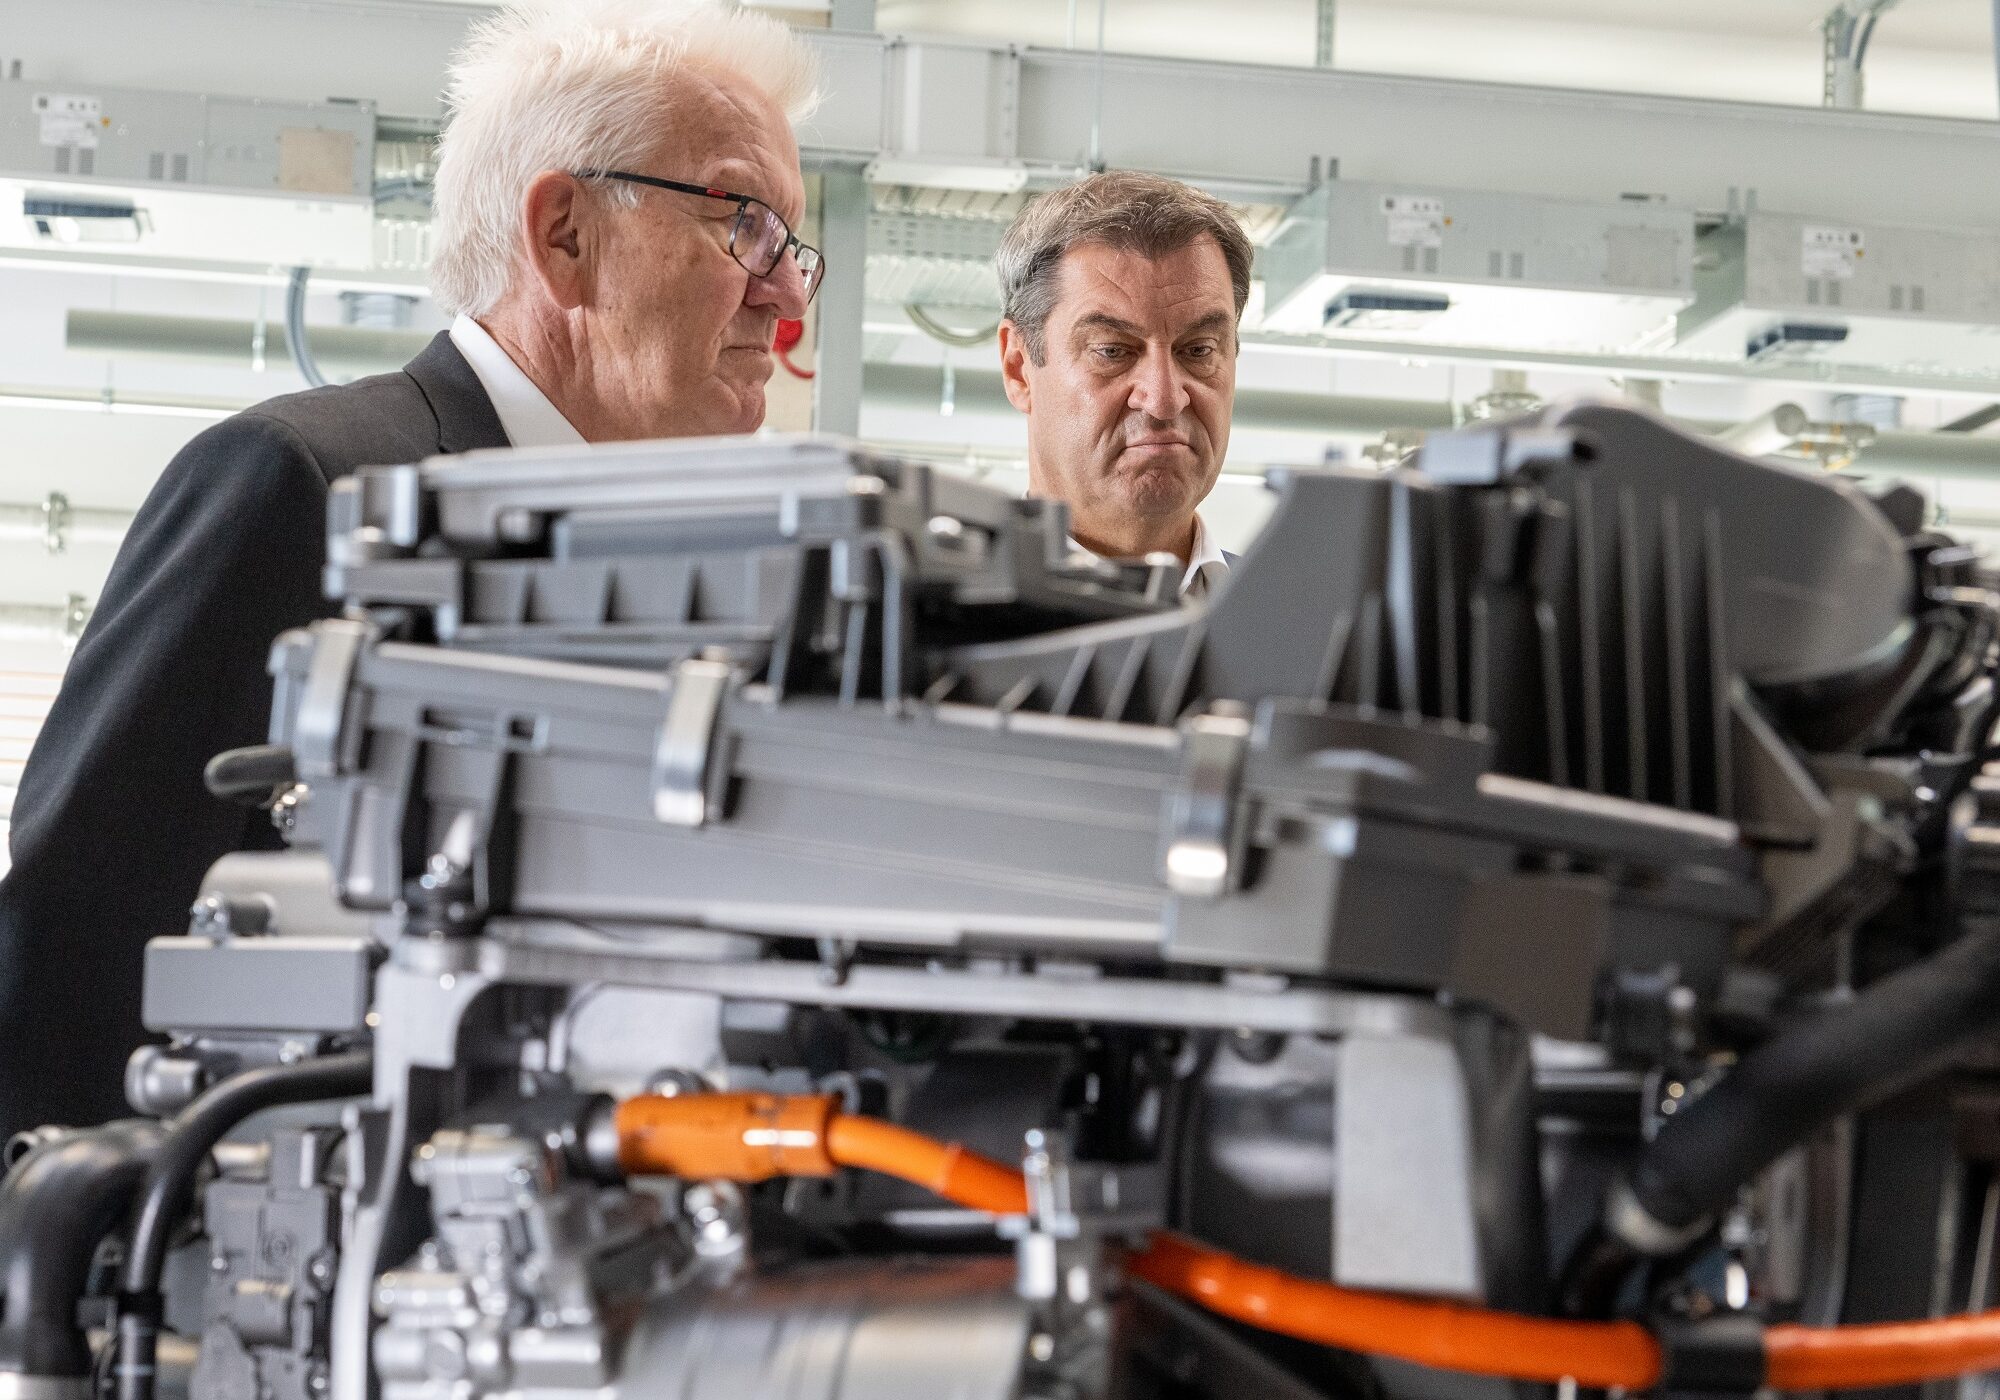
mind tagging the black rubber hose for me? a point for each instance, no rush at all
(1897, 1032)
(59, 1201)
(169, 1189)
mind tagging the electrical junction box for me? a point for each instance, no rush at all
(1791, 287)
(186, 175)
(1467, 267)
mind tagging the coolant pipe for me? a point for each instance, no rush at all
(59, 1201)
(756, 1137)
(1897, 1032)
(170, 1183)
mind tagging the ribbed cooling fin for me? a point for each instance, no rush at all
(1076, 683)
(1181, 680)
(1338, 638)
(611, 603)
(1673, 624)
(1448, 633)
(1573, 608)
(1593, 733)
(1716, 680)
(1128, 677)
(1631, 676)
(691, 602)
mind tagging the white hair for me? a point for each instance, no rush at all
(578, 85)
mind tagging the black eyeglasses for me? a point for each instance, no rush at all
(759, 237)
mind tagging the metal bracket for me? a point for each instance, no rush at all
(682, 758)
(55, 522)
(1200, 859)
(76, 617)
(322, 714)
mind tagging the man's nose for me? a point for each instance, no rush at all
(783, 289)
(1160, 390)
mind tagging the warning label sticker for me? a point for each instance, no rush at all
(1415, 220)
(1831, 252)
(68, 120)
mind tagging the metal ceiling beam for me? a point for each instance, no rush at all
(1262, 126)
(1255, 126)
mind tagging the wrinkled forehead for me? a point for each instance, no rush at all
(1167, 293)
(719, 129)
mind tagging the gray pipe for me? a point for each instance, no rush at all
(348, 350)
(295, 329)
(1767, 432)
(341, 350)
(1261, 410)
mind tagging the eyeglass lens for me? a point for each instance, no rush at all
(759, 241)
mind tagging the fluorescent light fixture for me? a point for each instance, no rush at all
(1380, 309)
(1793, 341)
(70, 221)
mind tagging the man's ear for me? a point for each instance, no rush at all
(1014, 365)
(554, 215)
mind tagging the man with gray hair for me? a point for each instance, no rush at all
(1122, 294)
(616, 192)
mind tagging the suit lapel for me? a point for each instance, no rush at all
(465, 417)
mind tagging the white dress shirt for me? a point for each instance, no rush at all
(525, 412)
(1206, 566)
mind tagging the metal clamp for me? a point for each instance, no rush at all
(318, 728)
(1199, 859)
(76, 617)
(686, 749)
(1722, 1354)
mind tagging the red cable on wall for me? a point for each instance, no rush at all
(790, 333)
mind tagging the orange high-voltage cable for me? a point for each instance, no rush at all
(753, 1137)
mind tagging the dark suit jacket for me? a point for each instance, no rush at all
(112, 828)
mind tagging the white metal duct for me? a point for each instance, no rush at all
(1790, 288)
(1467, 267)
(126, 171)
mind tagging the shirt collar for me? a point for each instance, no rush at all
(1207, 550)
(523, 409)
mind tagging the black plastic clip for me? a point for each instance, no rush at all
(1718, 1355)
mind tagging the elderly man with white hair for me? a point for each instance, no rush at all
(617, 190)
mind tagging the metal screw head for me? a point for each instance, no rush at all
(672, 1083)
(444, 1356)
(210, 914)
(715, 1210)
(1255, 1047)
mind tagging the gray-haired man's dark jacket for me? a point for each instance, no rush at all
(112, 828)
